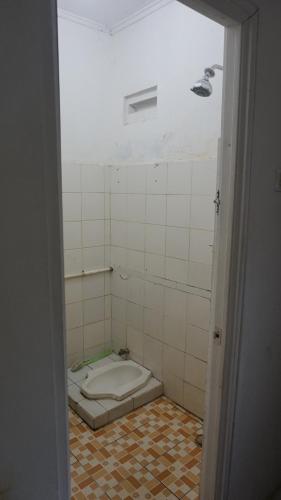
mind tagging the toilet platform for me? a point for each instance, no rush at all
(99, 412)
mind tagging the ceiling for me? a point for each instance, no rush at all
(106, 12)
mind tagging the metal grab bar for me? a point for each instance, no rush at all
(89, 273)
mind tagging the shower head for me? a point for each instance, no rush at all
(202, 87)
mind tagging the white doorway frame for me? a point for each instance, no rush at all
(230, 253)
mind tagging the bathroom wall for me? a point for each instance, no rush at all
(169, 48)
(86, 247)
(84, 73)
(163, 182)
(162, 222)
(157, 181)
(83, 56)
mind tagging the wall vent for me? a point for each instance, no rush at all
(141, 105)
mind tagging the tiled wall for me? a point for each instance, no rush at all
(86, 246)
(162, 219)
(154, 224)
(162, 222)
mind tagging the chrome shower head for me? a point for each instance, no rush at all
(202, 87)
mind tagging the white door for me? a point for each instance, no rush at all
(222, 242)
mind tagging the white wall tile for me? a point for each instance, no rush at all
(198, 311)
(72, 235)
(157, 178)
(137, 179)
(108, 332)
(119, 207)
(93, 206)
(118, 257)
(93, 233)
(136, 208)
(136, 260)
(153, 323)
(194, 400)
(119, 233)
(119, 335)
(155, 264)
(178, 210)
(156, 209)
(107, 307)
(173, 361)
(119, 286)
(73, 290)
(93, 334)
(199, 275)
(179, 177)
(93, 310)
(204, 173)
(155, 239)
(197, 342)
(177, 243)
(107, 204)
(92, 178)
(136, 236)
(202, 215)
(93, 258)
(173, 387)
(119, 309)
(152, 356)
(174, 332)
(201, 246)
(107, 232)
(119, 179)
(74, 339)
(176, 270)
(73, 314)
(135, 344)
(154, 296)
(195, 372)
(135, 316)
(71, 206)
(72, 261)
(71, 181)
(136, 290)
(93, 286)
(175, 303)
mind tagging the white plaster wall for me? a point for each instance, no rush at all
(170, 48)
(33, 417)
(84, 67)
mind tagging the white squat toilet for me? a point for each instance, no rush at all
(115, 381)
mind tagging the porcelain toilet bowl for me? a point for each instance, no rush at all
(115, 381)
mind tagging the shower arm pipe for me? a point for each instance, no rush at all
(217, 66)
(210, 71)
(89, 273)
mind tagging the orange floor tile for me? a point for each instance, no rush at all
(150, 453)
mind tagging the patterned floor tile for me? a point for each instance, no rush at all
(73, 418)
(150, 453)
(83, 486)
(178, 469)
(141, 485)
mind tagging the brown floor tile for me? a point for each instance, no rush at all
(150, 453)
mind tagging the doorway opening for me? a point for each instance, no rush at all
(140, 165)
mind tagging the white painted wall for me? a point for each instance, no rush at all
(84, 67)
(33, 425)
(170, 48)
(256, 450)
